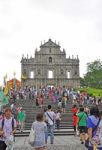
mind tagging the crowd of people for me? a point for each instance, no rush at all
(86, 121)
(59, 94)
(89, 124)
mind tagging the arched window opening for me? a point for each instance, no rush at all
(50, 50)
(39, 72)
(75, 72)
(61, 71)
(24, 72)
(50, 59)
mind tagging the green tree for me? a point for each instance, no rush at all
(94, 66)
(93, 77)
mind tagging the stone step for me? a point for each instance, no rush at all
(34, 116)
(56, 133)
(61, 123)
(55, 128)
(68, 112)
(33, 119)
(62, 127)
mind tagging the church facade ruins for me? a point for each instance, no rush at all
(50, 66)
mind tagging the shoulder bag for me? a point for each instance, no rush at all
(50, 119)
(31, 138)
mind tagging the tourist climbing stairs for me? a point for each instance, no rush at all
(31, 110)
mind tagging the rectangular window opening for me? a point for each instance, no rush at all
(31, 74)
(50, 74)
(68, 74)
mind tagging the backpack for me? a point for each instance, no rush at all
(97, 138)
(64, 94)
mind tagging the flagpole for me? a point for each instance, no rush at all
(14, 84)
(6, 91)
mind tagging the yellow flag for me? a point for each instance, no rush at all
(6, 90)
(5, 77)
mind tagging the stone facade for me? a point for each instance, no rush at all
(50, 66)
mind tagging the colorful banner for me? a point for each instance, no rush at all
(14, 83)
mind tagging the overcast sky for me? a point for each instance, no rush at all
(76, 24)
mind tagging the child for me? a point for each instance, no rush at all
(60, 102)
(21, 119)
(58, 119)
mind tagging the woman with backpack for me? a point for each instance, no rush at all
(94, 124)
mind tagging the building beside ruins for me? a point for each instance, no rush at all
(50, 66)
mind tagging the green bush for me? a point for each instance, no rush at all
(91, 91)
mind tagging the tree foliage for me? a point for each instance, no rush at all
(93, 77)
(94, 66)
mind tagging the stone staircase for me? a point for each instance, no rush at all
(31, 111)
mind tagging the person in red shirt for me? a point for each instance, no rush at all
(75, 121)
(74, 109)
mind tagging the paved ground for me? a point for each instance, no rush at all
(61, 143)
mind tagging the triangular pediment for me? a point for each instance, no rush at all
(50, 43)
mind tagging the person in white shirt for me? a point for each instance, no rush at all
(50, 120)
(7, 129)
